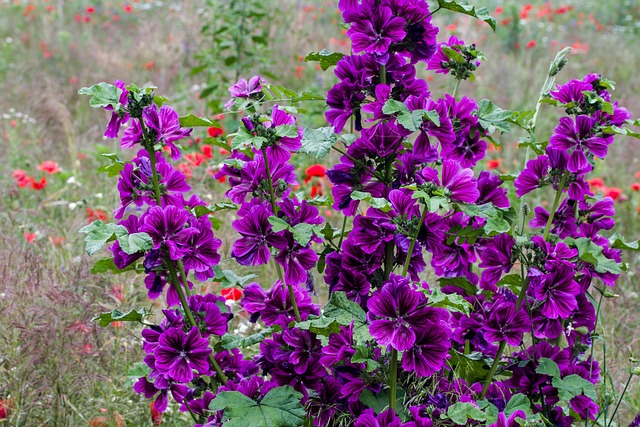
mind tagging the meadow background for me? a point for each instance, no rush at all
(59, 369)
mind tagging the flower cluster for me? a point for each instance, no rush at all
(510, 314)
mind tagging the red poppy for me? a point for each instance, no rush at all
(233, 294)
(56, 241)
(150, 65)
(30, 237)
(156, 416)
(215, 131)
(87, 349)
(128, 8)
(494, 164)
(596, 184)
(185, 169)
(531, 44)
(90, 9)
(207, 151)
(6, 405)
(224, 152)
(13, 123)
(316, 170)
(613, 192)
(635, 186)
(38, 185)
(195, 159)
(498, 10)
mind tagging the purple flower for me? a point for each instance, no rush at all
(244, 89)
(374, 29)
(206, 309)
(564, 220)
(297, 260)
(179, 353)
(459, 183)
(556, 291)
(118, 118)
(149, 389)
(578, 137)
(512, 421)
(387, 418)
(504, 323)
(398, 313)
(253, 179)
(532, 175)
(496, 259)
(431, 349)
(166, 125)
(257, 234)
(489, 187)
(571, 92)
(120, 258)
(168, 226)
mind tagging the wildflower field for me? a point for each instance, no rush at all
(361, 213)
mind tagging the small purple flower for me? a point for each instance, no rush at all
(431, 349)
(578, 137)
(275, 306)
(244, 89)
(398, 314)
(118, 118)
(256, 231)
(149, 389)
(374, 29)
(556, 291)
(489, 187)
(209, 316)
(179, 353)
(512, 421)
(496, 259)
(168, 226)
(505, 323)
(166, 125)
(459, 183)
(532, 175)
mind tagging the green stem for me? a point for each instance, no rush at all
(272, 193)
(595, 326)
(183, 275)
(494, 367)
(615, 411)
(556, 202)
(383, 74)
(393, 379)
(454, 93)
(412, 244)
(344, 225)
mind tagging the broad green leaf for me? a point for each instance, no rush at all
(103, 95)
(289, 131)
(460, 412)
(462, 6)
(303, 232)
(491, 117)
(592, 253)
(324, 326)
(380, 401)
(135, 242)
(98, 233)
(106, 265)
(278, 224)
(518, 402)
(134, 315)
(377, 202)
(459, 282)
(344, 312)
(452, 302)
(615, 130)
(280, 407)
(392, 107)
(549, 367)
(190, 121)
(412, 120)
(325, 58)
(114, 167)
(318, 142)
(471, 367)
(574, 385)
(617, 241)
(228, 278)
(230, 341)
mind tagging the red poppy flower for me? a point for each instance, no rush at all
(613, 192)
(596, 183)
(96, 214)
(38, 185)
(635, 186)
(316, 170)
(30, 237)
(215, 132)
(5, 408)
(494, 164)
(185, 169)
(90, 9)
(233, 294)
(531, 44)
(156, 416)
(207, 151)
(128, 8)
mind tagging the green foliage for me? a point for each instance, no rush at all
(462, 6)
(410, 120)
(103, 95)
(114, 168)
(324, 326)
(98, 233)
(344, 312)
(592, 253)
(133, 315)
(230, 341)
(190, 121)
(452, 302)
(279, 407)
(568, 387)
(228, 278)
(492, 118)
(318, 142)
(106, 265)
(325, 58)
(377, 202)
(460, 412)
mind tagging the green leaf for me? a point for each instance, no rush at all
(452, 302)
(134, 315)
(325, 58)
(462, 6)
(615, 130)
(617, 241)
(412, 120)
(289, 131)
(106, 265)
(303, 232)
(230, 341)
(392, 107)
(114, 167)
(471, 367)
(460, 412)
(377, 202)
(103, 95)
(204, 210)
(228, 278)
(491, 117)
(344, 312)
(135, 242)
(190, 121)
(278, 224)
(518, 402)
(574, 385)
(592, 253)
(380, 401)
(459, 282)
(98, 233)
(280, 407)
(318, 142)
(324, 326)
(549, 367)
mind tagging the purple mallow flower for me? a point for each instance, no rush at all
(166, 126)
(179, 353)
(578, 137)
(168, 227)
(459, 183)
(373, 29)
(118, 118)
(244, 89)
(256, 231)
(274, 306)
(399, 313)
